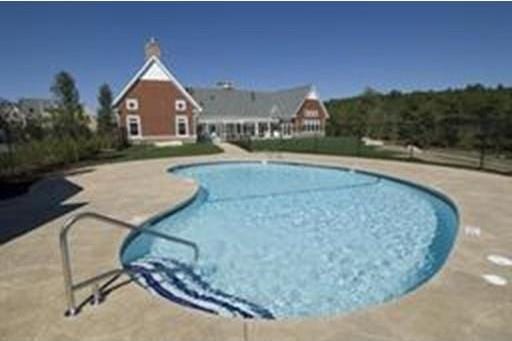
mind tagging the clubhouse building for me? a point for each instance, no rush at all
(155, 106)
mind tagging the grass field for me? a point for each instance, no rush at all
(347, 146)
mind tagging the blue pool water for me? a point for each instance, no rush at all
(280, 240)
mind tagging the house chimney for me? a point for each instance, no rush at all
(152, 48)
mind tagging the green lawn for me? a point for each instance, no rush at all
(347, 146)
(143, 152)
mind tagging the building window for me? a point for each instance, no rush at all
(182, 125)
(286, 129)
(249, 129)
(181, 105)
(311, 125)
(133, 126)
(132, 104)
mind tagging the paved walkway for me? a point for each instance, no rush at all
(232, 150)
(457, 304)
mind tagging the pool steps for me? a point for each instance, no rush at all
(178, 282)
(70, 286)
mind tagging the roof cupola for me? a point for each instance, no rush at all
(152, 49)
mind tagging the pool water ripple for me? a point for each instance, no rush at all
(306, 241)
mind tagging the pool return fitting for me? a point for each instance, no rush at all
(97, 296)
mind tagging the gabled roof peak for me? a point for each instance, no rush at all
(154, 70)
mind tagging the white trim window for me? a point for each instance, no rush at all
(133, 126)
(311, 125)
(132, 104)
(180, 105)
(182, 126)
(286, 129)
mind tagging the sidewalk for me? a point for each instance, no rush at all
(232, 149)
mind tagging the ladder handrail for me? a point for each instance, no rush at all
(70, 287)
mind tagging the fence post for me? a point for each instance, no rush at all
(482, 157)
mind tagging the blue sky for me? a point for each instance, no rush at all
(339, 47)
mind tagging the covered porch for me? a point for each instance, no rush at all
(235, 129)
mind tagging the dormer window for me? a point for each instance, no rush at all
(132, 104)
(180, 105)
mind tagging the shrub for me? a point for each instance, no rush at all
(42, 155)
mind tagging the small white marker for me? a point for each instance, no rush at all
(263, 162)
(499, 260)
(472, 231)
(137, 219)
(495, 280)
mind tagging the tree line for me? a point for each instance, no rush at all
(473, 117)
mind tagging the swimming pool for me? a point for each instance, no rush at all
(284, 240)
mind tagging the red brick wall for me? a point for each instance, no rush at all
(310, 104)
(156, 108)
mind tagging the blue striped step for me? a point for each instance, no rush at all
(179, 283)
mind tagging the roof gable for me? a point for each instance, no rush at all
(313, 96)
(154, 70)
(155, 73)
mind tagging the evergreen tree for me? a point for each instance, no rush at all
(106, 120)
(68, 116)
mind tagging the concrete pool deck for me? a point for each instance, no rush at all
(456, 304)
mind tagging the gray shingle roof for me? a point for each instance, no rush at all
(219, 103)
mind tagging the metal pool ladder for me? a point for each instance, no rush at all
(71, 287)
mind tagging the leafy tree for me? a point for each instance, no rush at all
(11, 121)
(473, 117)
(4, 117)
(447, 123)
(35, 128)
(68, 117)
(11, 127)
(106, 120)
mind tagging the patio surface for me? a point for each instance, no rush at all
(456, 304)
